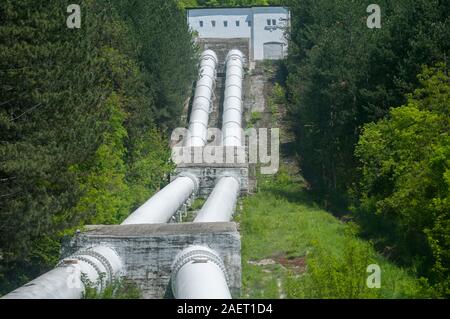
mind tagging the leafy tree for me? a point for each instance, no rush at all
(167, 54)
(104, 199)
(405, 169)
(343, 75)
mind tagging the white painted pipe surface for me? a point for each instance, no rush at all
(100, 265)
(201, 107)
(164, 204)
(232, 105)
(199, 273)
(221, 203)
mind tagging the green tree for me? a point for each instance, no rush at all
(343, 75)
(167, 54)
(105, 193)
(405, 171)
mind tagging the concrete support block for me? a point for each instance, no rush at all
(208, 176)
(149, 250)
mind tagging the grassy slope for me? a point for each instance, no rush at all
(291, 248)
(307, 252)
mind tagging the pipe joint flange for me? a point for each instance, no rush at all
(103, 280)
(193, 178)
(88, 261)
(84, 254)
(209, 54)
(197, 254)
(234, 54)
(230, 174)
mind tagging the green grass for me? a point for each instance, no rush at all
(255, 117)
(308, 252)
(118, 289)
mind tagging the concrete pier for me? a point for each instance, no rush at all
(148, 250)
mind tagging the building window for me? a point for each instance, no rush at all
(249, 23)
(274, 22)
(201, 24)
(213, 23)
(268, 21)
(225, 24)
(237, 23)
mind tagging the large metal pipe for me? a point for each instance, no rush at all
(100, 265)
(221, 203)
(232, 106)
(199, 273)
(96, 266)
(201, 107)
(164, 204)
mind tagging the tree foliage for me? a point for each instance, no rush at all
(405, 164)
(343, 74)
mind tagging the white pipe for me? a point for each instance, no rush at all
(164, 204)
(201, 107)
(199, 273)
(220, 205)
(95, 266)
(232, 106)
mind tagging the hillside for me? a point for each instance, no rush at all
(293, 248)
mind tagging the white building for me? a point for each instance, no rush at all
(264, 27)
